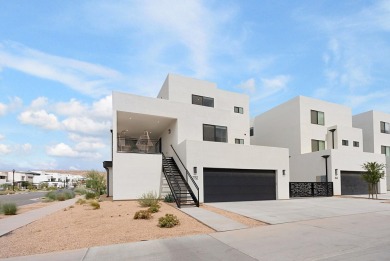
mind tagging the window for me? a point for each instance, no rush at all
(385, 127)
(251, 131)
(239, 141)
(214, 133)
(317, 117)
(201, 100)
(356, 144)
(344, 142)
(317, 145)
(238, 110)
(386, 150)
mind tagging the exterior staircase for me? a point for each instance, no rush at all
(180, 189)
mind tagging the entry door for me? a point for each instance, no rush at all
(226, 185)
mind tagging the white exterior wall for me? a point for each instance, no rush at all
(308, 167)
(345, 133)
(388, 172)
(221, 155)
(365, 122)
(136, 174)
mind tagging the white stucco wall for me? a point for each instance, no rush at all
(221, 155)
(365, 122)
(135, 174)
(308, 167)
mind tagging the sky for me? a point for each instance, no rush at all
(61, 60)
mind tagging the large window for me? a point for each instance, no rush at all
(214, 133)
(201, 100)
(317, 145)
(385, 127)
(238, 110)
(386, 150)
(317, 117)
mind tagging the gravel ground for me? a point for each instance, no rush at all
(81, 226)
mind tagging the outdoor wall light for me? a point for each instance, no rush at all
(169, 131)
(195, 170)
(336, 174)
(284, 172)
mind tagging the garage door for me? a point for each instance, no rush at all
(224, 185)
(352, 183)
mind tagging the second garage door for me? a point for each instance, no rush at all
(352, 183)
(224, 185)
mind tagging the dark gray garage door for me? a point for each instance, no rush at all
(224, 185)
(352, 183)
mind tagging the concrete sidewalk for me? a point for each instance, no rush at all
(217, 222)
(14, 222)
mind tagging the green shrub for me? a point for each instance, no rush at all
(169, 198)
(9, 208)
(154, 208)
(90, 195)
(169, 220)
(80, 191)
(52, 188)
(149, 199)
(81, 201)
(96, 182)
(60, 195)
(95, 204)
(51, 195)
(142, 214)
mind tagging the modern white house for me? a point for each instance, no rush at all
(323, 143)
(376, 134)
(196, 137)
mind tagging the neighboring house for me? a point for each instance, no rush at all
(376, 134)
(313, 130)
(199, 129)
(3, 178)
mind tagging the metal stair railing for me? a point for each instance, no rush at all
(178, 203)
(195, 199)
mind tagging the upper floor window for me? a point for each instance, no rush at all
(239, 141)
(251, 131)
(385, 150)
(202, 100)
(214, 133)
(317, 145)
(317, 117)
(238, 110)
(356, 144)
(385, 127)
(344, 142)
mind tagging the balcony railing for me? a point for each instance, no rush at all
(137, 145)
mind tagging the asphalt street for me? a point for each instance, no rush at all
(21, 199)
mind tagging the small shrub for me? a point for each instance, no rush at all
(90, 195)
(154, 208)
(149, 199)
(51, 195)
(80, 191)
(169, 198)
(59, 195)
(9, 208)
(69, 194)
(142, 214)
(169, 220)
(95, 204)
(81, 201)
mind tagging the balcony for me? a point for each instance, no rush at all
(138, 145)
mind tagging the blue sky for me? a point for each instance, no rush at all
(60, 61)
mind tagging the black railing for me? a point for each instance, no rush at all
(311, 189)
(188, 175)
(134, 145)
(169, 181)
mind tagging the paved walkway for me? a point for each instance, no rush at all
(215, 221)
(14, 222)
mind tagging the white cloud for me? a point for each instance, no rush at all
(86, 78)
(248, 86)
(2, 137)
(103, 108)
(39, 118)
(82, 138)
(13, 104)
(39, 102)
(71, 108)
(271, 86)
(85, 125)
(3, 109)
(26, 147)
(4, 149)
(61, 150)
(89, 146)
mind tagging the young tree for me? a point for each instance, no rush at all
(374, 172)
(96, 182)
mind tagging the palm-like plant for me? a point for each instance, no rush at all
(372, 175)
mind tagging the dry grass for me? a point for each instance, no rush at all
(26, 208)
(80, 227)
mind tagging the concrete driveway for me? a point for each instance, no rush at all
(293, 210)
